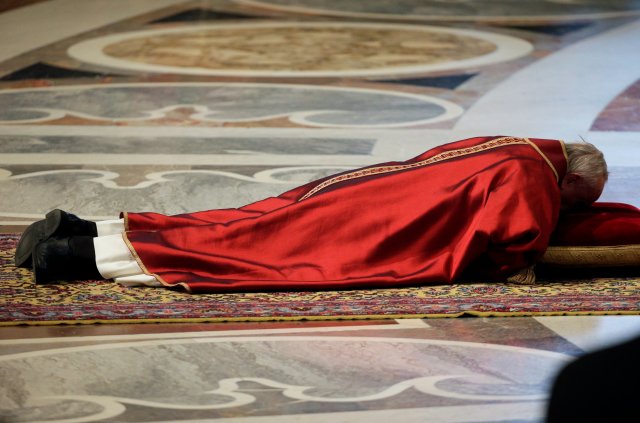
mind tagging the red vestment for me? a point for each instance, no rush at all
(483, 207)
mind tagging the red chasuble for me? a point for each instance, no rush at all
(483, 207)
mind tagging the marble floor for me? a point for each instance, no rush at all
(183, 105)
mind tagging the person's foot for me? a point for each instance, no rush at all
(64, 259)
(57, 223)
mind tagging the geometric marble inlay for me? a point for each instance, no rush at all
(104, 191)
(213, 104)
(197, 15)
(468, 10)
(287, 378)
(299, 49)
(45, 71)
(557, 29)
(100, 144)
(450, 82)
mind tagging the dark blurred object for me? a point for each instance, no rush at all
(601, 386)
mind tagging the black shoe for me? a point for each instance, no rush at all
(64, 259)
(57, 223)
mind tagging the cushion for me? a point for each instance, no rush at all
(603, 235)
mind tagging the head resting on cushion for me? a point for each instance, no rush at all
(586, 175)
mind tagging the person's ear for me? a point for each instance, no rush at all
(571, 178)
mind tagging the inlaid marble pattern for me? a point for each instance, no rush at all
(217, 104)
(112, 105)
(103, 193)
(99, 176)
(173, 170)
(623, 113)
(153, 144)
(455, 10)
(446, 370)
(556, 92)
(299, 49)
(102, 175)
(360, 373)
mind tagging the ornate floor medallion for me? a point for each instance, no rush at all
(299, 49)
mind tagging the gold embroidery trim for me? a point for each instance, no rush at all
(125, 216)
(446, 155)
(555, 171)
(146, 271)
(564, 152)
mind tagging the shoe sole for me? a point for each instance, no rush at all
(35, 234)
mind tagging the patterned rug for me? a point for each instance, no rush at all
(22, 302)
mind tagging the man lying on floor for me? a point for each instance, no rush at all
(483, 207)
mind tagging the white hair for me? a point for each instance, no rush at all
(587, 161)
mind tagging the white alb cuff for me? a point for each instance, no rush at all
(115, 261)
(110, 227)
